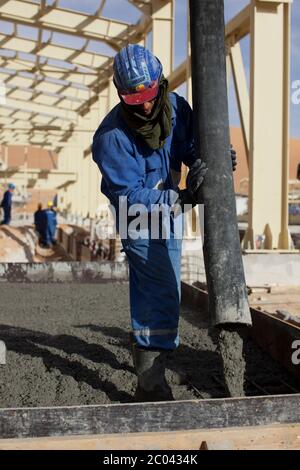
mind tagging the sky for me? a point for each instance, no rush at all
(124, 11)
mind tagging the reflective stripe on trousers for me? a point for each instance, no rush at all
(154, 268)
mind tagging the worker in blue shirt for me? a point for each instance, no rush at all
(51, 224)
(139, 148)
(6, 204)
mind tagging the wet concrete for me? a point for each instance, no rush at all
(67, 272)
(69, 344)
(231, 348)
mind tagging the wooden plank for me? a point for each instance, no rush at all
(194, 297)
(270, 302)
(149, 417)
(279, 437)
(276, 337)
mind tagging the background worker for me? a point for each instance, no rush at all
(139, 148)
(6, 204)
(51, 224)
(40, 223)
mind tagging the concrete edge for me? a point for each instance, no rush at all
(64, 272)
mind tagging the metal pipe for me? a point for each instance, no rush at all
(228, 300)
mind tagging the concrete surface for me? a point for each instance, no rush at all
(73, 272)
(68, 344)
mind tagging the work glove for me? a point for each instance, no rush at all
(185, 199)
(233, 158)
(195, 178)
(190, 196)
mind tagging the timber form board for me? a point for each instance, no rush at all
(252, 422)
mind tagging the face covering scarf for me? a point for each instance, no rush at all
(153, 129)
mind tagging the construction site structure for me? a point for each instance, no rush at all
(59, 106)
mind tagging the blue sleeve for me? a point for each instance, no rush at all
(113, 153)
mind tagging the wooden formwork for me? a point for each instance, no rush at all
(276, 437)
(271, 422)
(71, 239)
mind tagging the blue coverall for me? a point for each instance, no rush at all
(51, 226)
(144, 176)
(6, 205)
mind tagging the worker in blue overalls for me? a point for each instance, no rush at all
(51, 224)
(139, 148)
(6, 204)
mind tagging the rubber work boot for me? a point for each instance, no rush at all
(150, 369)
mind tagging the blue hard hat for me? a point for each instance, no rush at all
(11, 186)
(137, 73)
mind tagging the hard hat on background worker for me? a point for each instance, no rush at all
(11, 186)
(137, 73)
(49, 204)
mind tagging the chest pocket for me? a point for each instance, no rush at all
(153, 172)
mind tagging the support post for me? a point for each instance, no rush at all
(241, 90)
(162, 29)
(269, 124)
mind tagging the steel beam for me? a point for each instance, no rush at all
(237, 28)
(241, 91)
(53, 22)
(42, 109)
(269, 125)
(163, 32)
(48, 17)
